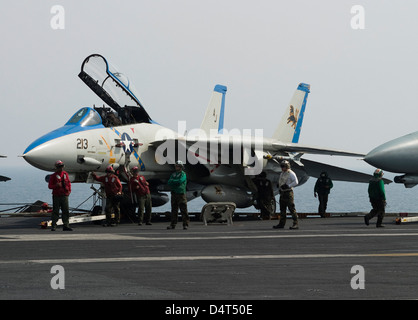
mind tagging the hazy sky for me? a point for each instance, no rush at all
(175, 51)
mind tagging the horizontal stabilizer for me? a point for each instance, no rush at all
(314, 169)
(294, 147)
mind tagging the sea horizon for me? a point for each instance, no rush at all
(28, 185)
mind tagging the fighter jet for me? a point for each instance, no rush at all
(399, 156)
(220, 164)
(3, 178)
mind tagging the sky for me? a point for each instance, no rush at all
(362, 80)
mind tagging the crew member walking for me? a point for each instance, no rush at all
(322, 189)
(60, 184)
(377, 198)
(140, 189)
(287, 181)
(113, 190)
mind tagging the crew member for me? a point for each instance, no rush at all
(113, 190)
(322, 189)
(265, 195)
(60, 184)
(140, 189)
(377, 198)
(177, 183)
(287, 181)
(45, 208)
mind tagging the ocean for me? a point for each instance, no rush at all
(28, 185)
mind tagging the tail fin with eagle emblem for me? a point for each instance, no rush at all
(291, 123)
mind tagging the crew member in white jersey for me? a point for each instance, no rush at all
(287, 181)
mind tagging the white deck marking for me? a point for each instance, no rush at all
(162, 236)
(113, 236)
(196, 258)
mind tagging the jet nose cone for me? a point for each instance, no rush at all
(45, 151)
(38, 158)
(379, 157)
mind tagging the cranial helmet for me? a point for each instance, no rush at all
(59, 163)
(285, 164)
(378, 173)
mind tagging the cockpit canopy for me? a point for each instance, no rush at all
(115, 89)
(85, 117)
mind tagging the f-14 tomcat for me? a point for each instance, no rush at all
(3, 178)
(219, 166)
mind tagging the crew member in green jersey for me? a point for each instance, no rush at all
(377, 198)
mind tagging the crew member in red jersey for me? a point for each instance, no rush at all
(60, 184)
(113, 190)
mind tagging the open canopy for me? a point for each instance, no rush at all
(114, 88)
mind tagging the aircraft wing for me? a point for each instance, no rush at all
(198, 150)
(203, 146)
(314, 169)
(267, 145)
(293, 147)
(3, 178)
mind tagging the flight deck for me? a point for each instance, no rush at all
(331, 258)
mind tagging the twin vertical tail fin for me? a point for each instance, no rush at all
(291, 123)
(214, 117)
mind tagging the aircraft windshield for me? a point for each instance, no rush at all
(114, 88)
(85, 117)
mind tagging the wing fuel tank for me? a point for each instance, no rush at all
(224, 193)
